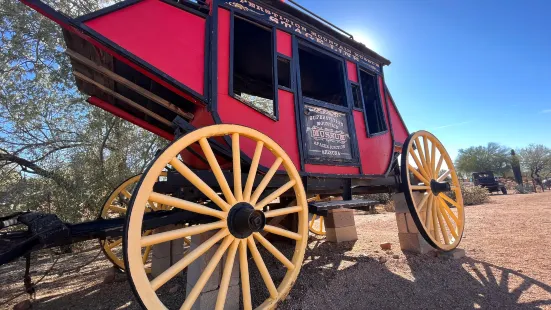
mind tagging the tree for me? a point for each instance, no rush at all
(57, 153)
(493, 157)
(536, 159)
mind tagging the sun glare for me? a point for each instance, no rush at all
(365, 38)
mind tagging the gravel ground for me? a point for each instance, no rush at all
(506, 267)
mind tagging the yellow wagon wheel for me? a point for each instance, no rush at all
(116, 206)
(238, 220)
(432, 191)
(316, 227)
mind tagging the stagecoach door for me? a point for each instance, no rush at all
(325, 109)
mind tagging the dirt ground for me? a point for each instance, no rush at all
(506, 267)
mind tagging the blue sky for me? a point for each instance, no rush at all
(471, 72)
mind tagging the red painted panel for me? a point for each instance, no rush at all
(333, 169)
(232, 111)
(375, 151)
(284, 45)
(168, 38)
(400, 131)
(352, 71)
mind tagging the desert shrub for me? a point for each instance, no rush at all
(473, 195)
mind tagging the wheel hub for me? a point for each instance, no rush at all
(439, 187)
(243, 220)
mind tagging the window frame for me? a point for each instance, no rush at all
(274, 56)
(360, 68)
(302, 101)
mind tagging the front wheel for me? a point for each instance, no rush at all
(432, 191)
(236, 221)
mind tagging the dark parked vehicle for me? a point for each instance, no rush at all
(487, 180)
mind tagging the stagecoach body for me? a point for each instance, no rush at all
(224, 80)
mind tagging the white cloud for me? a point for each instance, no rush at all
(545, 111)
(452, 125)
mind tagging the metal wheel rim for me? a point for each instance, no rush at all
(145, 290)
(417, 153)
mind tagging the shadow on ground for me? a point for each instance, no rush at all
(329, 279)
(339, 281)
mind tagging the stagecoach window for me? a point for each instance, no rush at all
(357, 96)
(253, 80)
(373, 108)
(321, 77)
(284, 72)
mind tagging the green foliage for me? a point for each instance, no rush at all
(536, 160)
(473, 195)
(57, 153)
(493, 157)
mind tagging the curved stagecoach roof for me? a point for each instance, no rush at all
(324, 27)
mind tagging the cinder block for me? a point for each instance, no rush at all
(412, 242)
(401, 222)
(166, 254)
(412, 228)
(341, 234)
(159, 265)
(454, 254)
(340, 218)
(400, 205)
(196, 269)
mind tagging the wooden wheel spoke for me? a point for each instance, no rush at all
(146, 254)
(152, 206)
(209, 154)
(262, 268)
(422, 171)
(199, 184)
(422, 158)
(275, 252)
(265, 181)
(419, 187)
(441, 224)
(282, 232)
(312, 221)
(432, 159)
(117, 209)
(186, 205)
(126, 194)
(418, 175)
(321, 223)
(428, 218)
(236, 158)
(180, 265)
(283, 211)
(448, 199)
(444, 176)
(207, 273)
(423, 202)
(244, 274)
(448, 210)
(113, 244)
(434, 217)
(252, 171)
(427, 157)
(180, 233)
(226, 275)
(275, 194)
(439, 165)
(447, 220)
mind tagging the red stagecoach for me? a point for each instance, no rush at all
(268, 107)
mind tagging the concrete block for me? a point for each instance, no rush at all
(341, 234)
(401, 222)
(412, 242)
(166, 254)
(340, 218)
(400, 205)
(195, 269)
(412, 228)
(207, 300)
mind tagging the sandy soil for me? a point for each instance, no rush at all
(506, 267)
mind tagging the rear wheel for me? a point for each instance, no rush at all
(237, 220)
(116, 206)
(432, 191)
